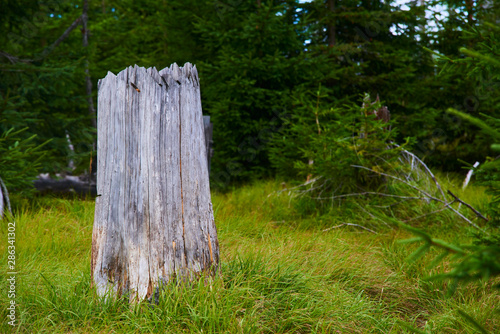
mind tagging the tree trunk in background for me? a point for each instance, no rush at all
(88, 80)
(153, 219)
(331, 24)
(424, 20)
(469, 5)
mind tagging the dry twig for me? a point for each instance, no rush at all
(369, 193)
(429, 196)
(468, 205)
(414, 157)
(349, 224)
(14, 59)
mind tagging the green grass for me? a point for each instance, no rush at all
(280, 273)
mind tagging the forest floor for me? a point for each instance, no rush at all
(280, 273)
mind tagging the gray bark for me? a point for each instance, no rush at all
(153, 219)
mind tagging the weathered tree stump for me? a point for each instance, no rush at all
(153, 217)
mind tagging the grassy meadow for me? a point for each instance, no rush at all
(280, 272)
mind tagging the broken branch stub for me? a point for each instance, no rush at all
(153, 216)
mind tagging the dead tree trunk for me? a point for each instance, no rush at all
(153, 217)
(88, 80)
(331, 24)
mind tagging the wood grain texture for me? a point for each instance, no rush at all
(153, 219)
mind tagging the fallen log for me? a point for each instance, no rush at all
(80, 185)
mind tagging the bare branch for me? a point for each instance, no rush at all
(299, 186)
(393, 204)
(426, 169)
(62, 37)
(425, 193)
(465, 218)
(349, 224)
(370, 193)
(427, 214)
(402, 181)
(468, 205)
(373, 216)
(297, 189)
(14, 59)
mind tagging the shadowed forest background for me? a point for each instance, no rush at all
(291, 88)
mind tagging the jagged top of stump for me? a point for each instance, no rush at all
(168, 76)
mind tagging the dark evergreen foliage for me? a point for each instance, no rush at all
(256, 59)
(42, 85)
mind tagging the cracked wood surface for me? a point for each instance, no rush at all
(153, 219)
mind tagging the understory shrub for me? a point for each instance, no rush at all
(325, 144)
